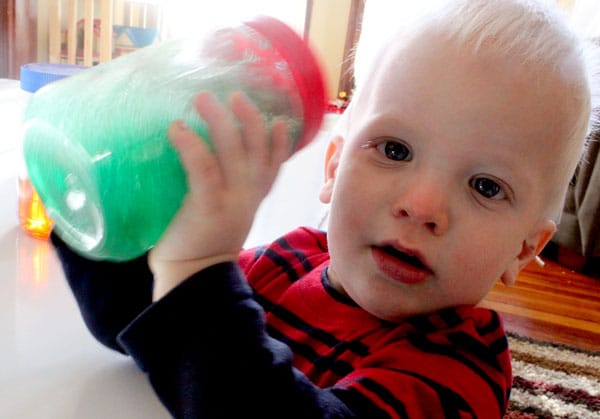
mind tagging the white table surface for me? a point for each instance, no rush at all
(50, 366)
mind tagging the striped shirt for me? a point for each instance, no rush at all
(453, 363)
(270, 338)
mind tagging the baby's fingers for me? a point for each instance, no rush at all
(253, 133)
(200, 164)
(281, 143)
(223, 130)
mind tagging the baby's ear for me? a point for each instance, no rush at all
(530, 248)
(332, 161)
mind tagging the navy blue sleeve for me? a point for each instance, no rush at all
(109, 295)
(204, 346)
(206, 351)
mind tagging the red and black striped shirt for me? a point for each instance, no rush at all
(274, 340)
(452, 363)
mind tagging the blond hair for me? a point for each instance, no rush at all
(535, 35)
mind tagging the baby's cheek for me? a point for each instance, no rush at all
(469, 258)
(355, 219)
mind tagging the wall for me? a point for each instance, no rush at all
(566, 5)
(327, 35)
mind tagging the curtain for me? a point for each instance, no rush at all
(579, 229)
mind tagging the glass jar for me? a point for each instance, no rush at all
(96, 143)
(33, 217)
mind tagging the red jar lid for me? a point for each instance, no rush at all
(304, 68)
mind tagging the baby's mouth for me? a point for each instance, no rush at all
(401, 265)
(412, 260)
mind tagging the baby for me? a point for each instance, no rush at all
(449, 174)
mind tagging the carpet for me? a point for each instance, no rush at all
(553, 381)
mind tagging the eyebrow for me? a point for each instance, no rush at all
(386, 125)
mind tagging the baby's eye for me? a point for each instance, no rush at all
(394, 150)
(488, 188)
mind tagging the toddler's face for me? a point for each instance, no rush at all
(438, 188)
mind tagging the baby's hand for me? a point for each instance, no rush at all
(225, 187)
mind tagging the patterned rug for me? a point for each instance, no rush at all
(553, 381)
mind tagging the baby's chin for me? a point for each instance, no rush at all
(390, 312)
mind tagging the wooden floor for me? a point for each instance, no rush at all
(551, 303)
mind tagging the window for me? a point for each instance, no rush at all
(188, 17)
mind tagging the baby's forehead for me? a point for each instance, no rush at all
(530, 41)
(563, 84)
(531, 102)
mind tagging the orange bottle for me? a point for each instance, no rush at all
(32, 214)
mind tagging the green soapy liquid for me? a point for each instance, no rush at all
(97, 151)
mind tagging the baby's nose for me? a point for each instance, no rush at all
(425, 204)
